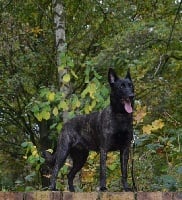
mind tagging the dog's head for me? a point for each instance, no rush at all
(122, 92)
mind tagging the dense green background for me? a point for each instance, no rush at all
(143, 35)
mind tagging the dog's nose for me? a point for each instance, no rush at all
(132, 96)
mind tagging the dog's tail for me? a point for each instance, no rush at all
(49, 158)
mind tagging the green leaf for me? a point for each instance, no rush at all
(37, 167)
(44, 91)
(29, 188)
(30, 176)
(35, 108)
(112, 167)
(53, 126)
(75, 102)
(63, 58)
(38, 116)
(179, 170)
(24, 144)
(70, 62)
(85, 91)
(63, 105)
(64, 169)
(59, 127)
(31, 159)
(42, 160)
(87, 72)
(45, 106)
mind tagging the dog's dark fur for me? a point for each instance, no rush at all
(108, 130)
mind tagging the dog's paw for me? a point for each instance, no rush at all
(103, 189)
(71, 189)
(128, 189)
(44, 188)
(53, 189)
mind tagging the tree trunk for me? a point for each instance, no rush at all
(59, 24)
(60, 46)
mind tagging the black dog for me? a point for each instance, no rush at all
(108, 130)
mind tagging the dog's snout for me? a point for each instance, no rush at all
(131, 96)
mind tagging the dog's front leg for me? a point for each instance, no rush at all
(124, 156)
(103, 157)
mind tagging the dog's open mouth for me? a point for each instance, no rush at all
(127, 105)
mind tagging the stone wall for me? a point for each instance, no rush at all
(47, 195)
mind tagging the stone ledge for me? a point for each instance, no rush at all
(47, 195)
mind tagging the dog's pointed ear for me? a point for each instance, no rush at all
(128, 74)
(112, 77)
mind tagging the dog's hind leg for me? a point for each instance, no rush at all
(61, 155)
(79, 158)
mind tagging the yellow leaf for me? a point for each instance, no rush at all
(36, 31)
(92, 95)
(34, 152)
(49, 150)
(93, 104)
(66, 78)
(68, 164)
(55, 111)
(147, 129)
(60, 68)
(92, 90)
(92, 155)
(73, 73)
(140, 114)
(45, 115)
(87, 176)
(75, 103)
(83, 94)
(157, 124)
(51, 96)
(87, 109)
(111, 157)
(78, 104)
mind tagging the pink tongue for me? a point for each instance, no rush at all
(127, 106)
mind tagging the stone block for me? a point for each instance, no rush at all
(149, 196)
(117, 196)
(43, 195)
(167, 196)
(11, 196)
(177, 196)
(80, 195)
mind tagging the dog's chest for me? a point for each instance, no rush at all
(120, 132)
(115, 124)
(121, 123)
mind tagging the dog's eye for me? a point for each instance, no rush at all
(122, 85)
(130, 85)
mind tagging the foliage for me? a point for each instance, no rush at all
(32, 156)
(49, 104)
(142, 35)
